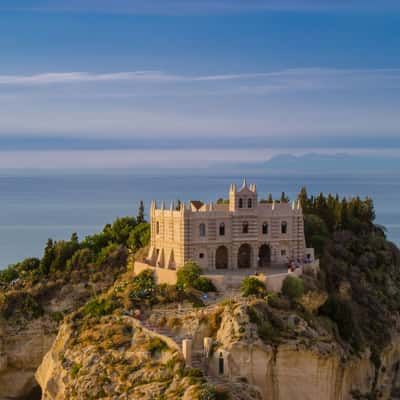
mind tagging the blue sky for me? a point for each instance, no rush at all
(122, 83)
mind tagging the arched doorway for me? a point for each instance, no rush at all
(221, 258)
(264, 256)
(244, 256)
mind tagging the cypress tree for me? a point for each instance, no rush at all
(48, 257)
(140, 216)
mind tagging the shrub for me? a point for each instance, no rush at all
(293, 287)
(139, 236)
(251, 286)
(120, 230)
(22, 303)
(80, 259)
(99, 307)
(267, 331)
(204, 284)
(9, 274)
(188, 275)
(143, 285)
(340, 311)
(76, 367)
(156, 345)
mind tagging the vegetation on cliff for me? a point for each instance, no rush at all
(26, 287)
(360, 269)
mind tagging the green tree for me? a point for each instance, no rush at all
(48, 257)
(139, 236)
(252, 286)
(293, 287)
(74, 238)
(304, 200)
(187, 274)
(140, 216)
(120, 229)
(80, 259)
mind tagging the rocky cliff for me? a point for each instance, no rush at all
(29, 326)
(302, 361)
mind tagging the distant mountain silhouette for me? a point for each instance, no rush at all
(322, 163)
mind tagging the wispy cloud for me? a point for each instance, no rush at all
(134, 76)
(135, 104)
(173, 7)
(305, 78)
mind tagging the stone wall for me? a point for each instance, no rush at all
(161, 275)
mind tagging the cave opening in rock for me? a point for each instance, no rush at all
(34, 394)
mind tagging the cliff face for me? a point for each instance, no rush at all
(21, 351)
(308, 366)
(305, 366)
(120, 361)
(25, 338)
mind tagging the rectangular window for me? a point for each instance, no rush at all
(201, 255)
(283, 252)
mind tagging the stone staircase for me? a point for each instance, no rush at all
(164, 331)
(197, 359)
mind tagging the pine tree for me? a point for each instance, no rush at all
(74, 238)
(140, 216)
(48, 257)
(303, 197)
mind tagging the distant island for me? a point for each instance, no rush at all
(335, 163)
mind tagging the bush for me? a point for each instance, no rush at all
(156, 345)
(81, 259)
(340, 311)
(143, 285)
(251, 286)
(139, 236)
(187, 275)
(99, 307)
(267, 331)
(9, 274)
(204, 285)
(293, 287)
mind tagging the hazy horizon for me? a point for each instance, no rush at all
(99, 84)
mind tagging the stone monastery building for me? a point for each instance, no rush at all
(242, 233)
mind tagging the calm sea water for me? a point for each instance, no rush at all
(36, 207)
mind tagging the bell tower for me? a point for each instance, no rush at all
(243, 199)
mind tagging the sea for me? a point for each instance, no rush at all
(37, 205)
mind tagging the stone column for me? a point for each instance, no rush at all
(187, 351)
(254, 261)
(207, 346)
(234, 254)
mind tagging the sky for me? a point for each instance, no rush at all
(123, 83)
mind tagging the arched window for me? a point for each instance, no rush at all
(249, 203)
(245, 227)
(284, 227)
(157, 227)
(240, 203)
(265, 228)
(221, 229)
(202, 230)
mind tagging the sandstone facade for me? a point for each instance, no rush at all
(240, 233)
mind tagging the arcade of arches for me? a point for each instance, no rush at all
(245, 256)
